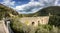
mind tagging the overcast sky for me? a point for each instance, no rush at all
(29, 6)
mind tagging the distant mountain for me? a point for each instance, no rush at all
(53, 10)
(6, 11)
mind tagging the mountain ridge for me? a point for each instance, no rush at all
(6, 11)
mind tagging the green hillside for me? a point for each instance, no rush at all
(6, 11)
(53, 10)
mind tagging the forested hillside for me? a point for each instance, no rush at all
(6, 11)
(53, 10)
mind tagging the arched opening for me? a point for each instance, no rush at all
(38, 23)
(33, 23)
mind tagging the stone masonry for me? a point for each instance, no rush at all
(35, 20)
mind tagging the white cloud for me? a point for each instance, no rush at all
(8, 2)
(33, 6)
(30, 7)
(57, 3)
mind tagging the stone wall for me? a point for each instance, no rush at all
(35, 20)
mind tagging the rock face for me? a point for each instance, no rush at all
(35, 20)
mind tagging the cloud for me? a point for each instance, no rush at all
(34, 6)
(8, 3)
(57, 3)
(30, 7)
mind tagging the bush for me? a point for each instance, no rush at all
(54, 20)
(47, 29)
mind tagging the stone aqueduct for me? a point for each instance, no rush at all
(35, 20)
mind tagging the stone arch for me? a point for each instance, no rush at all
(33, 23)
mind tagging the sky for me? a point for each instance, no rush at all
(29, 6)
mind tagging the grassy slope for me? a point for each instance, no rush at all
(6, 11)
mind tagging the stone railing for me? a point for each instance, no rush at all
(9, 28)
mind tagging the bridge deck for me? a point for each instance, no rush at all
(3, 28)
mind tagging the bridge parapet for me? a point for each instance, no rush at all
(3, 28)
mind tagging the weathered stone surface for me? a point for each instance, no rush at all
(30, 20)
(3, 28)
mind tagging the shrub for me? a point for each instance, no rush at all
(47, 29)
(54, 20)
